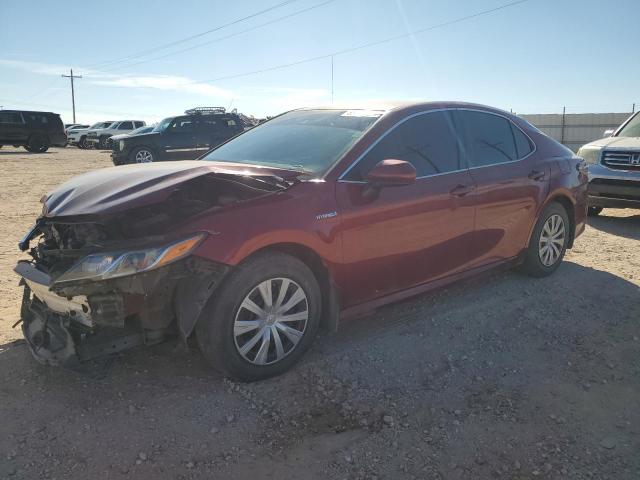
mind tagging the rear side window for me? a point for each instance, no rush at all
(138, 124)
(489, 139)
(429, 142)
(126, 126)
(37, 118)
(10, 117)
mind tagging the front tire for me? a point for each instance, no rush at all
(262, 319)
(142, 155)
(548, 242)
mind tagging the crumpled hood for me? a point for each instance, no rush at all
(613, 143)
(116, 189)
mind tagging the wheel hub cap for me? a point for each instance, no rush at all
(551, 242)
(271, 321)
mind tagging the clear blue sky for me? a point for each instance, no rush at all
(534, 57)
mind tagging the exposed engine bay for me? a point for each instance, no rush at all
(101, 283)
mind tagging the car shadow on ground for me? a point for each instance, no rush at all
(23, 153)
(628, 227)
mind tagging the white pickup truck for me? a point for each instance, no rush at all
(614, 168)
(99, 138)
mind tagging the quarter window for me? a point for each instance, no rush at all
(523, 144)
(428, 141)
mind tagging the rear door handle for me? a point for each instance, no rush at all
(461, 190)
(536, 175)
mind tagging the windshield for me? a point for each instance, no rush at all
(631, 129)
(307, 140)
(140, 130)
(160, 127)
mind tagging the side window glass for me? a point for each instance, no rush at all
(523, 144)
(428, 141)
(10, 117)
(489, 138)
(126, 126)
(138, 124)
(182, 125)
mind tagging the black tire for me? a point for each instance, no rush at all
(37, 144)
(533, 264)
(215, 328)
(82, 143)
(594, 211)
(102, 142)
(138, 152)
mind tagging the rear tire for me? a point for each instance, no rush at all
(548, 242)
(37, 144)
(594, 211)
(238, 321)
(102, 142)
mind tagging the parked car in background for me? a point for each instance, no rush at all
(74, 127)
(312, 217)
(184, 137)
(137, 131)
(78, 136)
(35, 131)
(614, 168)
(99, 138)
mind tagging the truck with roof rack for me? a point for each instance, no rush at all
(183, 137)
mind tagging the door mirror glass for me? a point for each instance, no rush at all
(391, 173)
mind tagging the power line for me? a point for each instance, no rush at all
(362, 46)
(219, 39)
(191, 37)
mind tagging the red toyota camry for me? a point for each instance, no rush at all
(313, 217)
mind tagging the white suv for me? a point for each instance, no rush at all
(78, 135)
(99, 138)
(614, 168)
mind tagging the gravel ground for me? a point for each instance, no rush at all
(502, 376)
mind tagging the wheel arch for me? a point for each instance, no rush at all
(565, 200)
(330, 294)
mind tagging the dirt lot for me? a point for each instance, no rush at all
(500, 377)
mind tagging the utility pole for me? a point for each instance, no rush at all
(73, 95)
(331, 79)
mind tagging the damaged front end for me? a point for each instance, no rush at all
(100, 283)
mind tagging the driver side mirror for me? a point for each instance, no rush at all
(391, 173)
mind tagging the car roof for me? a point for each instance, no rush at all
(399, 106)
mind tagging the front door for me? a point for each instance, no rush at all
(398, 237)
(179, 139)
(511, 183)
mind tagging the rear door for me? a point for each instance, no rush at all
(179, 139)
(399, 237)
(511, 183)
(13, 129)
(214, 130)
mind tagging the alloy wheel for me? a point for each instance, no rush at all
(144, 156)
(551, 241)
(271, 321)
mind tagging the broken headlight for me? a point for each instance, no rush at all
(103, 266)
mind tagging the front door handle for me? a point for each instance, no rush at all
(461, 190)
(536, 175)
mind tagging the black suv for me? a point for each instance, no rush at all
(35, 131)
(184, 137)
